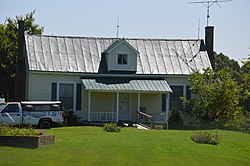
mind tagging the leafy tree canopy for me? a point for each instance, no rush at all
(222, 61)
(239, 74)
(216, 98)
(245, 84)
(8, 50)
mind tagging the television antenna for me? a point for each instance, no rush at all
(199, 24)
(117, 28)
(208, 5)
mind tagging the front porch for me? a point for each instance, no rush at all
(145, 108)
(141, 117)
(125, 97)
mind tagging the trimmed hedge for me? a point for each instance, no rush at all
(205, 138)
(111, 127)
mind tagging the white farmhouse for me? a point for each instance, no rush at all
(109, 79)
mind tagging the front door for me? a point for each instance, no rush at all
(124, 113)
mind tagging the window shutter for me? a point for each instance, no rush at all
(53, 91)
(164, 97)
(78, 96)
(188, 92)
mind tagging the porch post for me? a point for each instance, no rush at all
(139, 102)
(184, 90)
(167, 103)
(117, 106)
(167, 107)
(89, 105)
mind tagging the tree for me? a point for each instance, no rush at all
(222, 61)
(216, 98)
(8, 51)
(245, 85)
(240, 74)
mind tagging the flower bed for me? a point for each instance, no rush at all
(24, 137)
(27, 141)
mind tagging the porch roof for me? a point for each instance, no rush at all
(145, 86)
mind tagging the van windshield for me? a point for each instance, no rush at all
(1, 106)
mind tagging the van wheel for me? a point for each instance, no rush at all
(44, 125)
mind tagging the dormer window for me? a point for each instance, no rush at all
(122, 59)
(121, 56)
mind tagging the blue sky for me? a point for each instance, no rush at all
(167, 19)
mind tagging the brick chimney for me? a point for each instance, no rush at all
(20, 82)
(209, 41)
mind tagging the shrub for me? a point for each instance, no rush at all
(6, 130)
(175, 120)
(241, 123)
(111, 127)
(158, 127)
(205, 138)
(70, 119)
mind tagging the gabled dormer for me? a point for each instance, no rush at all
(121, 56)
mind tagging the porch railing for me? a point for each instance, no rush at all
(159, 118)
(103, 116)
(144, 118)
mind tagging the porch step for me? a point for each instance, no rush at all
(138, 126)
(142, 126)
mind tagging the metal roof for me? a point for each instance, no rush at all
(153, 86)
(83, 54)
(116, 43)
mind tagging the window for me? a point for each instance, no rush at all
(122, 59)
(11, 108)
(28, 108)
(42, 107)
(175, 101)
(66, 95)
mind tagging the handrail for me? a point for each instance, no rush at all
(160, 119)
(145, 117)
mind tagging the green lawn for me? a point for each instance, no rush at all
(93, 146)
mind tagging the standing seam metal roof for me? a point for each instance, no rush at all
(83, 54)
(154, 86)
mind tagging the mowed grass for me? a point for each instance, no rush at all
(93, 146)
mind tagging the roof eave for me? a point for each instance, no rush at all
(118, 42)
